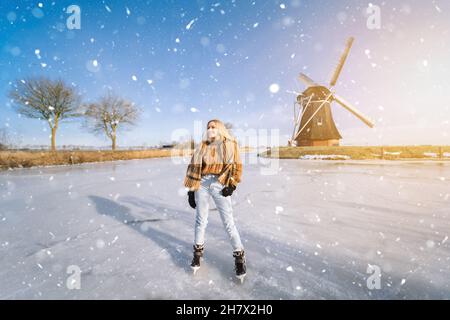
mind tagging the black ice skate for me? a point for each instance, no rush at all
(240, 266)
(198, 253)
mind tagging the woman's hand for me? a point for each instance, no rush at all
(228, 191)
(191, 199)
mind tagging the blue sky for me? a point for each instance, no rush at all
(223, 65)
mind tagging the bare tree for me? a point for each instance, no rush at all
(8, 140)
(45, 99)
(110, 113)
(5, 139)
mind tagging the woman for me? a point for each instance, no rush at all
(214, 171)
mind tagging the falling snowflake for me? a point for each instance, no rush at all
(189, 25)
(274, 88)
(100, 244)
(430, 244)
(278, 209)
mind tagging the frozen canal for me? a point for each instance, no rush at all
(311, 231)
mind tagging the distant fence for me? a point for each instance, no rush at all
(85, 148)
(361, 152)
(426, 152)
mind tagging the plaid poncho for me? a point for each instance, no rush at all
(219, 157)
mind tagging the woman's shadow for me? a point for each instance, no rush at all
(175, 247)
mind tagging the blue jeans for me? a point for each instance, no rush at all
(210, 186)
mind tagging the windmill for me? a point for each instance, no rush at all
(313, 121)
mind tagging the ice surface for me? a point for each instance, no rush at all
(310, 232)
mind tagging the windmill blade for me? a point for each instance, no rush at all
(349, 107)
(340, 65)
(307, 80)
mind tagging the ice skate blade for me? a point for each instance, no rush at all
(241, 277)
(194, 269)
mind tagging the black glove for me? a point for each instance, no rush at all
(191, 199)
(228, 191)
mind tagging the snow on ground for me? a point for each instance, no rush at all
(311, 231)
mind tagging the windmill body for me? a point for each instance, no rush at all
(321, 129)
(313, 120)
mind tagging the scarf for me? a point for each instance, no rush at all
(226, 163)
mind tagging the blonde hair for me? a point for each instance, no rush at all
(221, 130)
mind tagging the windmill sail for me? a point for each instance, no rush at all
(307, 80)
(340, 65)
(358, 114)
